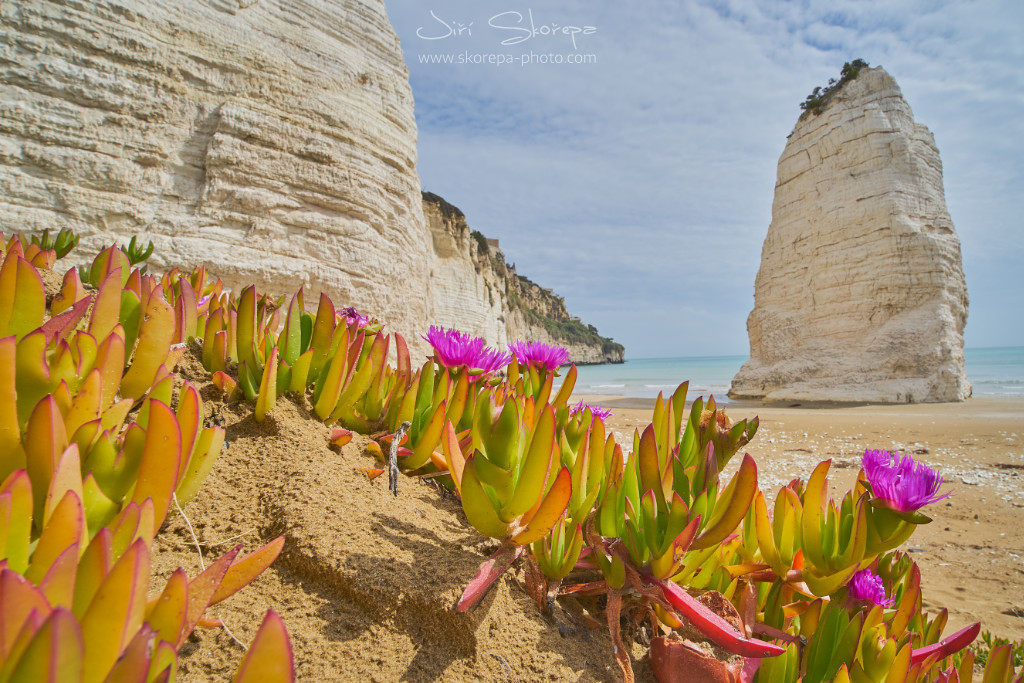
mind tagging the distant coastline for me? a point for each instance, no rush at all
(994, 372)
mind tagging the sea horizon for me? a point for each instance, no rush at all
(994, 372)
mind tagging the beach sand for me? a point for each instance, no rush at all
(367, 581)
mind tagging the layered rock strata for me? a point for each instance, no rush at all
(860, 294)
(474, 289)
(274, 142)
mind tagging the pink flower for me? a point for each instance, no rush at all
(454, 349)
(354, 317)
(551, 357)
(597, 411)
(902, 484)
(866, 585)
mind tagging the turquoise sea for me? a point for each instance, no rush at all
(993, 372)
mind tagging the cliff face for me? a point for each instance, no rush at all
(475, 290)
(274, 142)
(860, 295)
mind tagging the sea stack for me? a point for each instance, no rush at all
(860, 296)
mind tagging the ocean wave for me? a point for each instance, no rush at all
(606, 386)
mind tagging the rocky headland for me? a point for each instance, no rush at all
(476, 289)
(860, 296)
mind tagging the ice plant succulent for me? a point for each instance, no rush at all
(667, 532)
(454, 349)
(550, 357)
(512, 484)
(900, 483)
(85, 481)
(866, 585)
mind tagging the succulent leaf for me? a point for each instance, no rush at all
(202, 589)
(267, 396)
(429, 439)
(477, 504)
(55, 653)
(45, 441)
(713, 626)
(131, 319)
(166, 614)
(12, 454)
(453, 454)
(110, 363)
(732, 505)
(71, 292)
(116, 612)
(106, 308)
(60, 325)
(244, 570)
(22, 297)
(207, 448)
(290, 341)
(246, 330)
(32, 372)
(549, 512)
(64, 531)
(536, 465)
(489, 572)
(947, 646)
(161, 460)
(813, 522)
(93, 567)
(153, 346)
(133, 664)
(99, 509)
(270, 657)
(330, 380)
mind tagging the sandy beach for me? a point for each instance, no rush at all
(972, 554)
(367, 582)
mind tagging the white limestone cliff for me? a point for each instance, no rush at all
(274, 142)
(860, 294)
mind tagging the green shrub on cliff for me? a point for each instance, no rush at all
(819, 97)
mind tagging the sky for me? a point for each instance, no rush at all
(625, 153)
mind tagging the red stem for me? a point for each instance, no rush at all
(717, 629)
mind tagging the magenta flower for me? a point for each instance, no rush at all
(354, 317)
(454, 349)
(902, 484)
(866, 585)
(551, 357)
(597, 411)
